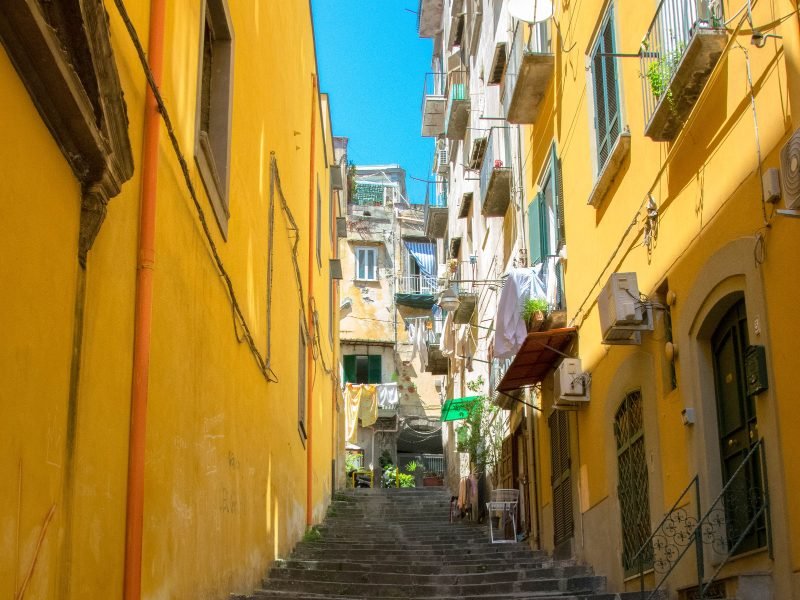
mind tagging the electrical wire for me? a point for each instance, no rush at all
(262, 362)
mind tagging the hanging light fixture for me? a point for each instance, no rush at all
(448, 300)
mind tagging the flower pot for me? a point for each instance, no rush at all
(556, 319)
(536, 321)
(432, 481)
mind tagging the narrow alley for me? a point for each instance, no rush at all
(383, 299)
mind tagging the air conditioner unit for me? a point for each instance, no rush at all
(623, 316)
(790, 172)
(570, 382)
(442, 163)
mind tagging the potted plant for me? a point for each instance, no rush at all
(432, 479)
(534, 312)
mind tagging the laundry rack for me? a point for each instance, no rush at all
(502, 510)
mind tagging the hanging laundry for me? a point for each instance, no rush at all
(388, 398)
(510, 329)
(352, 399)
(368, 407)
(448, 344)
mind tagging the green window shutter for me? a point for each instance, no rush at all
(558, 199)
(375, 368)
(606, 93)
(535, 231)
(349, 362)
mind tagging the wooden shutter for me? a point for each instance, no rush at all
(560, 477)
(349, 363)
(558, 199)
(606, 95)
(375, 368)
(535, 229)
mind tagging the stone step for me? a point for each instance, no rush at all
(415, 578)
(584, 584)
(419, 568)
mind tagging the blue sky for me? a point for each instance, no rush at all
(373, 64)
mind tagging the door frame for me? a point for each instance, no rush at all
(727, 276)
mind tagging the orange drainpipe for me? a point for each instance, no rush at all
(309, 347)
(132, 577)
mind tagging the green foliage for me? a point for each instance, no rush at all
(532, 305)
(311, 535)
(413, 466)
(352, 462)
(660, 72)
(476, 384)
(391, 478)
(479, 435)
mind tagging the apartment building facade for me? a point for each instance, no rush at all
(650, 172)
(170, 385)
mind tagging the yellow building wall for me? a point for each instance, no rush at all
(225, 480)
(707, 187)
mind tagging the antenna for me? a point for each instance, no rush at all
(531, 11)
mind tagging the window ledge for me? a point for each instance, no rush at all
(620, 151)
(357, 280)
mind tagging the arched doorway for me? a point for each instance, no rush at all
(737, 431)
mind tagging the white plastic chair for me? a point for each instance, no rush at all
(503, 505)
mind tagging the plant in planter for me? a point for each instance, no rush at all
(431, 479)
(534, 312)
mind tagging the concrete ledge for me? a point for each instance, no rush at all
(621, 149)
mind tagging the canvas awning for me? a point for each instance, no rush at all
(456, 409)
(536, 358)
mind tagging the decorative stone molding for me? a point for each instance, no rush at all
(64, 57)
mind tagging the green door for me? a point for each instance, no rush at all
(738, 431)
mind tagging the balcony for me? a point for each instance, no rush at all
(457, 112)
(530, 68)
(436, 216)
(682, 46)
(416, 291)
(495, 176)
(429, 17)
(433, 105)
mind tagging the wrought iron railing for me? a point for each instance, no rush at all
(497, 155)
(434, 463)
(416, 284)
(663, 47)
(739, 515)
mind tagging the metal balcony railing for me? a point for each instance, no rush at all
(495, 174)
(416, 284)
(670, 33)
(457, 111)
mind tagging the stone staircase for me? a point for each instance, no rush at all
(398, 543)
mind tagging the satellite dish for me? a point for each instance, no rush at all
(531, 11)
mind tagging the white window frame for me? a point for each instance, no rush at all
(362, 252)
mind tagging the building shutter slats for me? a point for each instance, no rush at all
(349, 364)
(535, 210)
(560, 477)
(375, 368)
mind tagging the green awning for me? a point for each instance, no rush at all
(457, 408)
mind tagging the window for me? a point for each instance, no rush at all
(632, 487)
(546, 232)
(215, 88)
(301, 385)
(319, 227)
(362, 368)
(367, 264)
(607, 113)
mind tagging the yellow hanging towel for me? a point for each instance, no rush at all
(368, 410)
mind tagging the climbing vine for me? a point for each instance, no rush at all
(481, 433)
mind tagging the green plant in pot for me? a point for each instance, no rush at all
(534, 313)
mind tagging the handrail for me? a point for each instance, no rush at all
(680, 536)
(713, 527)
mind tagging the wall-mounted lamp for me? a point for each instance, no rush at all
(448, 300)
(687, 416)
